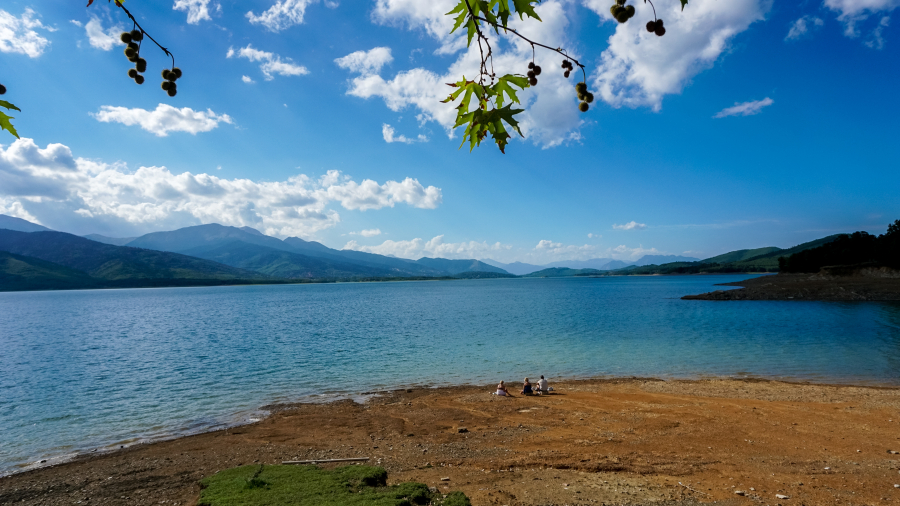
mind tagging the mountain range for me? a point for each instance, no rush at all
(33, 257)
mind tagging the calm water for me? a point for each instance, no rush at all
(86, 370)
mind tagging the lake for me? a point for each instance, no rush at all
(84, 371)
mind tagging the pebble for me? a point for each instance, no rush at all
(445, 478)
(782, 496)
(740, 492)
(462, 430)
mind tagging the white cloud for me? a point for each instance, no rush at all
(853, 12)
(282, 15)
(622, 252)
(638, 68)
(372, 232)
(332, 5)
(594, 236)
(17, 35)
(272, 63)
(430, 16)
(366, 62)
(247, 79)
(100, 39)
(632, 225)
(803, 26)
(68, 193)
(164, 119)
(387, 131)
(745, 108)
(436, 247)
(877, 40)
(551, 115)
(197, 10)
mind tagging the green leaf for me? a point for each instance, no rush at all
(525, 7)
(6, 125)
(505, 85)
(4, 103)
(683, 3)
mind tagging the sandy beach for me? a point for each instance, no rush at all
(612, 441)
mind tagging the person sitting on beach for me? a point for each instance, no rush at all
(526, 388)
(501, 389)
(542, 386)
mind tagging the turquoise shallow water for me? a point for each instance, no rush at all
(86, 370)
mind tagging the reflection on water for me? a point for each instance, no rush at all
(85, 369)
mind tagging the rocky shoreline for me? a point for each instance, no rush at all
(832, 284)
(615, 441)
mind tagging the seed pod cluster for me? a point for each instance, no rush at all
(567, 67)
(621, 12)
(533, 72)
(584, 96)
(169, 78)
(656, 27)
(132, 40)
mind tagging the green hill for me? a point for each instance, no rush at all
(563, 272)
(483, 275)
(19, 272)
(458, 266)
(739, 255)
(118, 264)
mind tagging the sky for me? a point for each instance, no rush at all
(751, 123)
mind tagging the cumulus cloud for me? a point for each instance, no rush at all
(631, 225)
(163, 119)
(197, 10)
(551, 116)
(366, 62)
(436, 247)
(638, 69)
(247, 79)
(745, 108)
(18, 35)
(271, 62)
(803, 26)
(282, 15)
(100, 38)
(853, 12)
(387, 131)
(52, 186)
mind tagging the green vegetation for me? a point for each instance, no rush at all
(740, 261)
(858, 248)
(314, 486)
(563, 272)
(483, 275)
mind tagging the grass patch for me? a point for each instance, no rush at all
(312, 485)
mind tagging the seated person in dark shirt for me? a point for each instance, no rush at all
(526, 388)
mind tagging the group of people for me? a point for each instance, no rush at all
(542, 387)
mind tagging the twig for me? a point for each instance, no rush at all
(145, 33)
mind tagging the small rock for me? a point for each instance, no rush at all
(828, 469)
(462, 430)
(752, 489)
(782, 496)
(740, 492)
(445, 478)
(896, 485)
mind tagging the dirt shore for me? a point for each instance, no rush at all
(809, 287)
(623, 441)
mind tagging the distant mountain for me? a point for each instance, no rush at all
(399, 266)
(562, 272)
(662, 259)
(20, 225)
(517, 268)
(458, 266)
(601, 264)
(108, 262)
(482, 275)
(286, 264)
(115, 241)
(199, 237)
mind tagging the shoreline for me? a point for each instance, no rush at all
(862, 287)
(612, 422)
(265, 411)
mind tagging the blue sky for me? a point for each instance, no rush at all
(749, 124)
